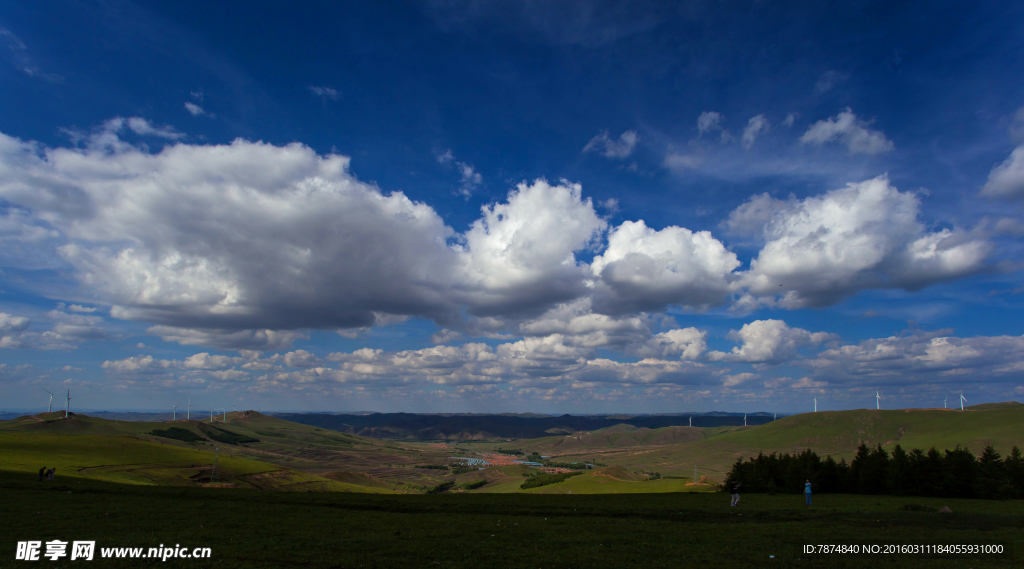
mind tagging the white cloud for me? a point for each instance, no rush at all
(709, 121)
(80, 308)
(228, 339)
(520, 255)
(850, 131)
(790, 119)
(10, 323)
(768, 341)
(140, 365)
(302, 358)
(194, 109)
(471, 179)
(206, 361)
(65, 333)
(685, 343)
(646, 269)
(1007, 179)
(141, 127)
(754, 127)
(613, 148)
(325, 93)
(249, 245)
(917, 356)
(445, 336)
(866, 235)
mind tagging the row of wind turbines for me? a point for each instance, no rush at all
(174, 412)
(878, 401)
(188, 411)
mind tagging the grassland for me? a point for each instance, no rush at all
(714, 450)
(245, 528)
(303, 454)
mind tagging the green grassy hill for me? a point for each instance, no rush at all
(127, 460)
(714, 450)
(277, 453)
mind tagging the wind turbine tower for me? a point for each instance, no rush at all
(877, 399)
(944, 402)
(49, 406)
(962, 400)
(815, 404)
(188, 410)
(174, 415)
(744, 419)
(691, 420)
(67, 404)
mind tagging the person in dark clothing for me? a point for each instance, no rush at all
(41, 472)
(736, 493)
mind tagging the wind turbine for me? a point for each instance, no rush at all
(188, 411)
(775, 417)
(67, 404)
(174, 416)
(962, 399)
(815, 404)
(49, 405)
(877, 399)
(944, 402)
(744, 419)
(691, 420)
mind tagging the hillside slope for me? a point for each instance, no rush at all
(128, 460)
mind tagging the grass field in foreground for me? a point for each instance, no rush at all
(247, 528)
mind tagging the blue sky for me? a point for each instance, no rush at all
(511, 206)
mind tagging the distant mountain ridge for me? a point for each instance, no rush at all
(467, 427)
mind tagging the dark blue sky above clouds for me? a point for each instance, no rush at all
(511, 206)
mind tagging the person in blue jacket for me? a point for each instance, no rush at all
(807, 492)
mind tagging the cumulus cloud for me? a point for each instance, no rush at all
(140, 365)
(520, 255)
(445, 336)
(1006, 180)
(866, 235)
(845, 128)
(613, 148)
(302, 358)
(646, 268)
(66, 331)
(248, 245)
(919, 355)
(768, 341)
(206, 361)
(754, 127)
(228, 339)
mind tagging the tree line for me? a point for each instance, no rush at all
(955, 473)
